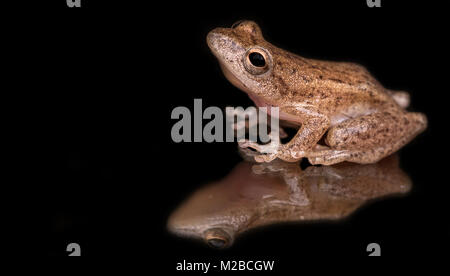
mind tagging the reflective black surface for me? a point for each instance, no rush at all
(257, 194)
(96, 88)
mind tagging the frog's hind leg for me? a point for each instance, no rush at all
(369, 138)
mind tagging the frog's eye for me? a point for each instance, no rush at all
(257, 61)
(217, 242)
(217, 238)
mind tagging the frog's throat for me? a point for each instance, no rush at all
(257, 100)
(233, 79)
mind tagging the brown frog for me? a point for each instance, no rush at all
(342, 112)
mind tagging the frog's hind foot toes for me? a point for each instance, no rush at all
(265, 157)
(328, 157)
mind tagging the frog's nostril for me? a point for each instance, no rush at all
(211, 37)
(215, 40)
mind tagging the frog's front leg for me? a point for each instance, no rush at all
(306, 138)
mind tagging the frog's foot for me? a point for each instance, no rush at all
(270, 150)
(274, 149)
(251, 155)
(290, 155)
(327, 156)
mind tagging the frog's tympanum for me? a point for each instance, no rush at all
(343, 113)
(265, 193)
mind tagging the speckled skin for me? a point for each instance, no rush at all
(276, 192)
(357, 118)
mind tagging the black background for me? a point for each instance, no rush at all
(99, 86)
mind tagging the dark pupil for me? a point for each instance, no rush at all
(257, 59)
(216, 243)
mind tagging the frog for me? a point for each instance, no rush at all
(342, 112)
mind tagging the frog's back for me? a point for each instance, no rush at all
(346, 74)
(330, 80)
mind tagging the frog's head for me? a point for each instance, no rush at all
(246, 59)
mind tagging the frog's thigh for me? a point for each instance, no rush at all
(369, 138)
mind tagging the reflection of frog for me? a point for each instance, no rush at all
(359, 119)
(266, 193)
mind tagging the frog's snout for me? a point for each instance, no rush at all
(212, 39)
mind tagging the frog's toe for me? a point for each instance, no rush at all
(265, 157)
(267, 148)
(287, 154)
(314, 160)
(328, 157)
